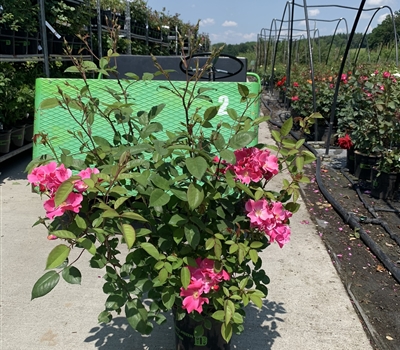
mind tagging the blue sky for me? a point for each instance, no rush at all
(236, 21)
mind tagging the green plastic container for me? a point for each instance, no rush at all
(144, 94)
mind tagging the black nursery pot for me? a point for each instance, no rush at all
(210, 340)
(384, 186)
(363, 165)
(17, 136)
(5, 141)
(350, 160)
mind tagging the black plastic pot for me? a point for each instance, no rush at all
(363, 164)
(28, 133)
(384, 186)
(210, 340)
(17, 136)
(5, 141)
(350, 160)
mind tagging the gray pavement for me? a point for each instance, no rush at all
(307, 307)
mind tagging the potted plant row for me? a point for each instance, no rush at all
(16, 112)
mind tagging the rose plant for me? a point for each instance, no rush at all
(177, 219)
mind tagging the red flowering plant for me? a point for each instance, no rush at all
(375, 103)
(345, 142)
(176, 219)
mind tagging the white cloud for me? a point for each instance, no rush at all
(381, 18)
(232, 37)
(207, 21)
(250, 36)
(377, 2)
(313, 13)
(229, 24)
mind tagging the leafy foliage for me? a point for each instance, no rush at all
(164, 197)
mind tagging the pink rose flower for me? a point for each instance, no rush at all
(80, 185)
(193, 299)
(72, 203)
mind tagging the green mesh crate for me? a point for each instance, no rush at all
(144, 94)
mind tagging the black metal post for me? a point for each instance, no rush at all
(43, 35)
(335, 96)
(128, 27)
(99, 34)
(311, 65)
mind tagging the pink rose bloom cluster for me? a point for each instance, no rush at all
(271, 218)
(203, 280)
(48, 179)
(253, 164)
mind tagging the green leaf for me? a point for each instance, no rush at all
(244, 188)
(195, 195)
(49, 103)
(45, 284)
(228, 155)
(256, 245)
(136, 315)
(237, 318)
(63, 192)
(104, 317)
(185, 277)
(160, 182)
(232, 114)
(243, 90)
(218, 315)
(87, 244)
(178, 220)
(286, 127)
(89, 66)
(241, 139)
(64, 234)
(226, 331)
(253, 255)
(132, 76)
(210, 113)
(119, 202)
(256, 300)
(72, 275)
(80, 222)
(229, 309)
(150, 249)
(180, 194)
(151, 129)
(57, 256)
(129, 235)
(103, 63)
(147, 76)
(192, 235)
(210, 243)
(133, 216)
(72, 69)
(276, 135)
(168, 297)
(197, 166)
(163, 275)
(299, 163)
(158, 198)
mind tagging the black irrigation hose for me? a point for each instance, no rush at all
(348, 218)
(373, 212)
